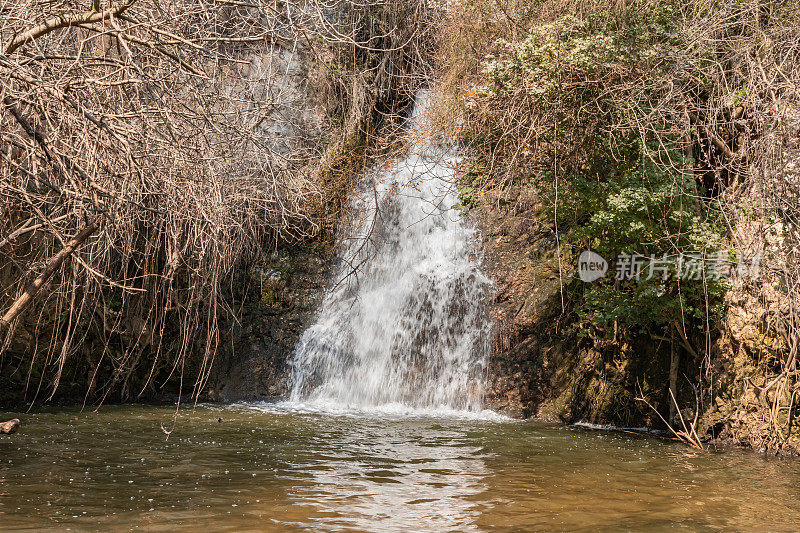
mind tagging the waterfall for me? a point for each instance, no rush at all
(404, 321)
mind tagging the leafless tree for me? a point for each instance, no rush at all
(149, 148)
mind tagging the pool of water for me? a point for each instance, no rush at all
(285, 468)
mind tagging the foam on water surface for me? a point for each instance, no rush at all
(392, 411)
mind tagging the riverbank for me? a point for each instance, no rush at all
(601, 127)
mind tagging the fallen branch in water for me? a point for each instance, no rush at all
(688, 434)
(6, 428)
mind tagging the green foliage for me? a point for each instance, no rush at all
(595, 111)
(570, 50)
(655, 213)
(622, 189)
(471, 185)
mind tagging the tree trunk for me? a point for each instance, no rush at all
(674, 360)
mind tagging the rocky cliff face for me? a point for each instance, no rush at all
(283, 293)
(520, 255)
(540, 366)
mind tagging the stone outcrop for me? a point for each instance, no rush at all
(283, 294)
(519, 254)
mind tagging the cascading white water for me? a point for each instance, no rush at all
(404, 321)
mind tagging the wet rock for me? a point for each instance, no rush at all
(9, 427)
(284, 294)
(520, 254)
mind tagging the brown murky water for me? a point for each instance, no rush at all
(270, 468)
